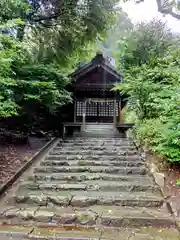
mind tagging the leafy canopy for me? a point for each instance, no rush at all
(63, 30)
(151, 72)
(40, 41)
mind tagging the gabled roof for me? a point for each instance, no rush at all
(98, 61)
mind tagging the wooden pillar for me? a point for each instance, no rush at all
(115, 119)
(120, 111)
(75, 109)
(64, 131)
(84, 114)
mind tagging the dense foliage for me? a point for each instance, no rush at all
(40, 42)
(61, 30)
(150, 61)
(23, 84)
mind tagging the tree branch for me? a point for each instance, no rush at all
(166, 10)
(45, 18)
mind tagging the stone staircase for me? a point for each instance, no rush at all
(100, 130)
(100, 184)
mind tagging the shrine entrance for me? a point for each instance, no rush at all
(93, 98)
(94, 101)
(97, 110)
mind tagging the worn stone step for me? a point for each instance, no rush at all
(94, 144)
(81, 177)
(92, 169)
(100, 129)
(94, 157)
(94, 147)
(92, 182)
(100, 133)
(97, 129)
(61, 233)
(71, 232)
(89, 185)
(89, 152)
(97, 141)
(91, 163)
(88, 198)
(111, 216)
(100, 126)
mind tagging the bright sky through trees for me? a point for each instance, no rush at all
(147, 10)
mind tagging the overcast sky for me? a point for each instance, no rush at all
(147, 11)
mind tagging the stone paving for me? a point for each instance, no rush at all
(89, 188)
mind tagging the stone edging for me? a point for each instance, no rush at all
(155, 175)
(12, 180)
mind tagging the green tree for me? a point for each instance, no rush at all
(8, 52)
(45, 86)
(62, 31)
(147, 40)
(39, 42)
(23, 85)
(153, 85)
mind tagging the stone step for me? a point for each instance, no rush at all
(104, 131)
(93, 157)
(97, 148)
(91, 163)
(99, 185)
(100, 130)
(87, 198)
(100, 126)
(71, 232)
(94, 144)
(96, 134)
(91, 169)
(59, 151)
(89, 182)
(89, 233)
(96, 233)
(107, 133)
(107, 216)
(97, 141)
(81, 177)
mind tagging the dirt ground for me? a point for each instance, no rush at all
(13, 157)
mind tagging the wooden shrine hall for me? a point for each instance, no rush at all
(93, 95)
(94, 100)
